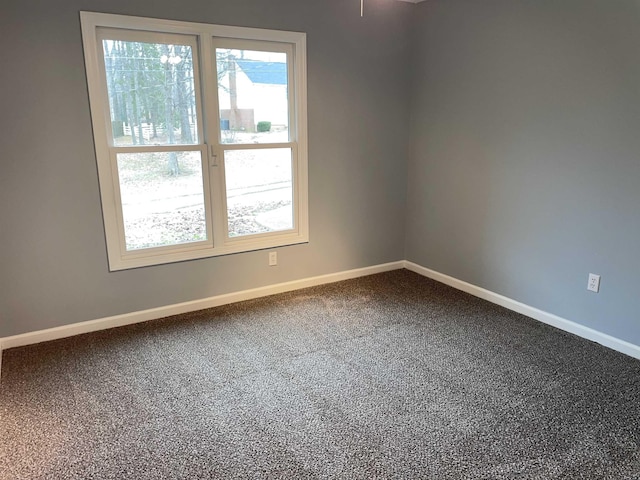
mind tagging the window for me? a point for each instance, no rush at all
(200, 136)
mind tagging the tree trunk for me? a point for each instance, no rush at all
(174, 166)
(136, 102)
(182, 99)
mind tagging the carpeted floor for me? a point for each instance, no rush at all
(387, 376)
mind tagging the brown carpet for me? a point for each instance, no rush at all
(387, 376)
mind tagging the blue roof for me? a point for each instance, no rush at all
(271, 73)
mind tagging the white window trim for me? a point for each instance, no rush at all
(218, 243)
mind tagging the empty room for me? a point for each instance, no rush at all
(320, 239)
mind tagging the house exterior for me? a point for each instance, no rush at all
(252, 91)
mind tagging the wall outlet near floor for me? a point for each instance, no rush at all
(594, 283)
(273, 258)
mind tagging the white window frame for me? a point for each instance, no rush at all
(206, 35)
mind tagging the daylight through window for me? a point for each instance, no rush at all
(200, 134)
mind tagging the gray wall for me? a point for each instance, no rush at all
(53, 264)
(524, 169)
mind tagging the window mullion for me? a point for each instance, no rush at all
(211, 126)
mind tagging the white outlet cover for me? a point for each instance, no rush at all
(594, 283)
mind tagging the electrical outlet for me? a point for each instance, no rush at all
(273, 258)
(594, 283)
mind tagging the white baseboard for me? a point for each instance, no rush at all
(185, 307)
(540, 315)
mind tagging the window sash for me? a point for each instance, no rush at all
(295, 213)
(119, 205)
(267, 47)
(117, 34)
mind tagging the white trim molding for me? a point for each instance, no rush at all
(532, 312)
(185, 307)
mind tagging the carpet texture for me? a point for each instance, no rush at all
(387, 376)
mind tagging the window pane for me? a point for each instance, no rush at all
(151, 93)
(253, 96)
(259, 190)
(162, 198)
